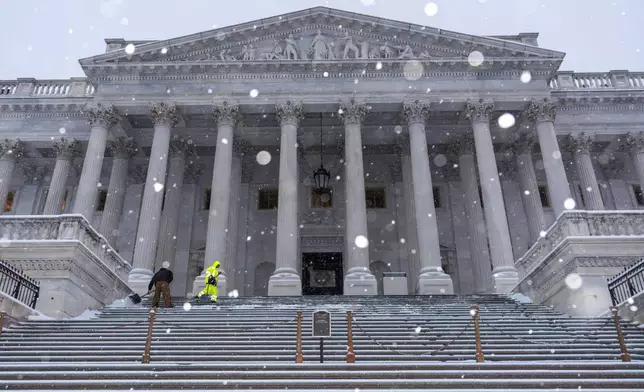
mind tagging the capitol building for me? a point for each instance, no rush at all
(324, 152)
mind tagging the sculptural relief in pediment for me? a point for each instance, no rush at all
(321, 45)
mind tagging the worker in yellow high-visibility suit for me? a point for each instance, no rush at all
(212, 276)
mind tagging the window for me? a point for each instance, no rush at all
(44, 201)
(376, 197)
(437, 196)
(8, 205)
(321, 200)
(64, 205)
(639, 198)
(102, 198)
(267, 199)
(206, 199)
(582, 199)
(481, 196)
(543, 195)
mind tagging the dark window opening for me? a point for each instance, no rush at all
(376, 197)
(437, 197)
(639, 197)
(582, 199)
(267, 199)
(206, 199)
(102, 198)
(8, 205)
(543, 195)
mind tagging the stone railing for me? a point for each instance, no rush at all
(74, 87)
(38, 228)
(597, 80)
(581, 224)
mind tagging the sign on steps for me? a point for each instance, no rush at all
(321, 324)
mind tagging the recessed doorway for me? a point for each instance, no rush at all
(322, 274)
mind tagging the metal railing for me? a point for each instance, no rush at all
(627, 284)
(15, 284)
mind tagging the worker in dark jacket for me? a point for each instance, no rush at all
(161, 281)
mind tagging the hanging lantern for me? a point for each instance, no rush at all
(321, 177)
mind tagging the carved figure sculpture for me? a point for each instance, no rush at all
(349, 46)
(291, 48)
(276, 54)
(389, 52)
(407, 53)
(424, 55)
(320, 49)
(248, 52)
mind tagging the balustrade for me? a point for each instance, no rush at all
(582, 224)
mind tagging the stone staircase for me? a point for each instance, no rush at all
(401, 344)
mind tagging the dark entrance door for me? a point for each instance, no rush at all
(322, 274)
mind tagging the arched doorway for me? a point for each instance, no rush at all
(378, 269)
(263, 273)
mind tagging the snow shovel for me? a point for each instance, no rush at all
(136, 299)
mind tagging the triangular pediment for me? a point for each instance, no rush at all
(323, 34)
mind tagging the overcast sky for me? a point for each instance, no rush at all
(45, 38)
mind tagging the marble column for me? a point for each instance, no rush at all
(504, 274)
(580, 145)
(226, 116)
(286, 280)
(10, 152)
(122, 149)
(180, 149)
(236, 268)
(359, 280)
(635, 141)
(101, 120)
(66, 150)
(431, 279)
(164, 117)
(543, 114)
(463, 147)
(522, 147)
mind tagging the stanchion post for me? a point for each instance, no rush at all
(626, 357)
(299, 357)
(474, 311)
(2, 314)
(351, 354)
(148, 339)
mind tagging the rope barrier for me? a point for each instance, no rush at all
(445, 345)
(560, 342)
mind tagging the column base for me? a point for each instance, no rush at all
(200, 283)
(503, 280)
(139, 279)
(360, 282)
(285, 283)
(435, 283)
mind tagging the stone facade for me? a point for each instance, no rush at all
(204, 147)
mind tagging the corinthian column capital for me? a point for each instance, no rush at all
(122, 147)
(164, 114)
(11, 149)
(100, 115)
(522, 143)
(479, 111)
(539, 112)
(416, 112)
(289, 113)
(226, 114)
(635, 141)
(353, 112)
(581, 142)
(66, 148)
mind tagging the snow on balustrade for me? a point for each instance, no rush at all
(21, 229)
(52, 88)
(636, 80)
(582, 224)
(8, 88)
